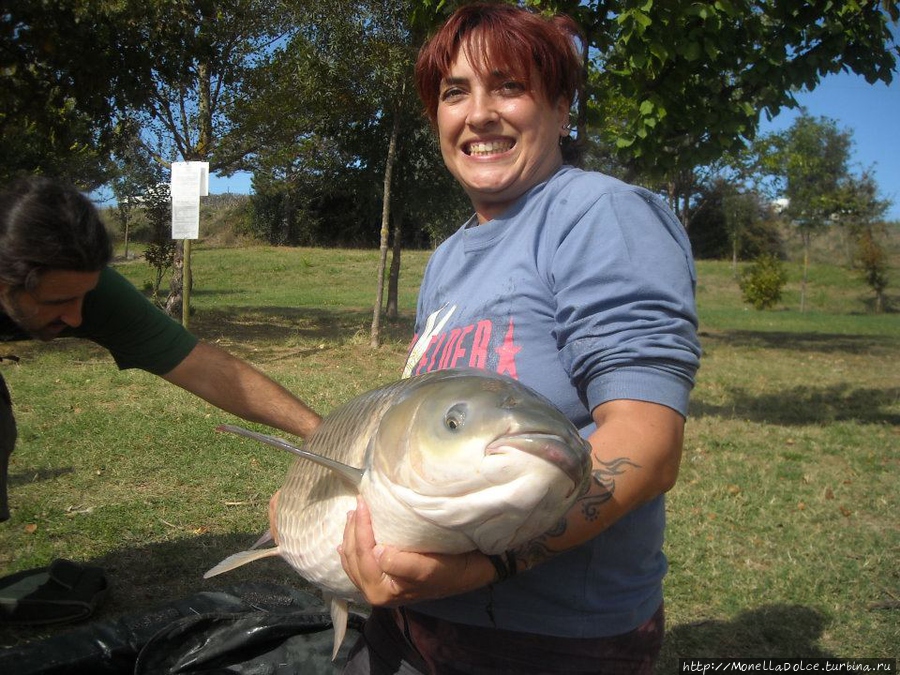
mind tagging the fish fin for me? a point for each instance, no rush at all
(242, 558)
(339, 614)
(349, 473)
(264, 539)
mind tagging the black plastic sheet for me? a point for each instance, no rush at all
(251, 629)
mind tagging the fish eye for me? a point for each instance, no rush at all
(455, 418)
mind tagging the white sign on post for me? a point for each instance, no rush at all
(190, 181)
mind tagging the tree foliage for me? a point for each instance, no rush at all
(219, 44)
(68, 70)
(810, 161)
(861, 214)
(673, 85)
(763, 282)
(873, 262)
(697, 76)
(325, 115)
(160, 251)
(733, 222)
(308, 95)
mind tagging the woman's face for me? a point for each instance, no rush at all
(498, 139)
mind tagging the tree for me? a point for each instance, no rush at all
(135, 177)
(675, 84)
(809, 161)
(701, 73)
(761, 283)
(732, 221)
(873, 261)
(859, 206)
(160, 251)
(358, 134)
(219, 42)
(68, 70)
(861, 214)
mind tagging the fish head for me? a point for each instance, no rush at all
(480, 453)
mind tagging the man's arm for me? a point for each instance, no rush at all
(235, 386)
(636, 453)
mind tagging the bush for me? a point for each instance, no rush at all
(762, 282)
(873, 260)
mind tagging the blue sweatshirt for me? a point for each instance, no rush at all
(583, 290)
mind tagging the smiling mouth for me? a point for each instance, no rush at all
(487, 148)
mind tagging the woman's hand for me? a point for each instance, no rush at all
(390, 577)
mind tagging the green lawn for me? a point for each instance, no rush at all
(784, 535)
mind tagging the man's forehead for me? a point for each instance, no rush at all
(64, 285)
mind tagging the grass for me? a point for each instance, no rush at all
(784, 534)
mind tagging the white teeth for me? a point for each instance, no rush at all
(489, 147)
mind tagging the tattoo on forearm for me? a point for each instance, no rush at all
(539, 549)
(605, 479)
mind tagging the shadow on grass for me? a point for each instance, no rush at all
(39, 475)
(274, 324)
(782, 631)
(802, 405)
(824, 343)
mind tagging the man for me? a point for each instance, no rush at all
(55, 282)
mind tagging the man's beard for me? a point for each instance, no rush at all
(13, 310)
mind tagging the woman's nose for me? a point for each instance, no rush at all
(483, 110)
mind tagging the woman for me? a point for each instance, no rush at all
(581, 287)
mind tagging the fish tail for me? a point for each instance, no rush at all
(242, 558)
(339, 614)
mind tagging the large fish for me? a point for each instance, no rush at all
(448, 462)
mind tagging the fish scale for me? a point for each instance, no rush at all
(310, 495)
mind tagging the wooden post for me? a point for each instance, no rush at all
(186, 283)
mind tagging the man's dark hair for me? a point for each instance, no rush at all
(47, 225)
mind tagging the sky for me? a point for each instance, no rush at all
(870, 112)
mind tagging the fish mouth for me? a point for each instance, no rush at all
(574, 462)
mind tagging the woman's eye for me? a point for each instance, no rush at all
(451, 94)
(512, 87)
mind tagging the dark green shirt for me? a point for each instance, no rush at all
(118, 317)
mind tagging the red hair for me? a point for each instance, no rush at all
(505, 38)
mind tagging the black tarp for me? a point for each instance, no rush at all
(253, 629)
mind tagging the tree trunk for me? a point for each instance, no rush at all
(806, 244)
(392, 308)
(174, 301)
(375, 337)
(734, 256)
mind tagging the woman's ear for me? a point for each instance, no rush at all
(563, 108)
